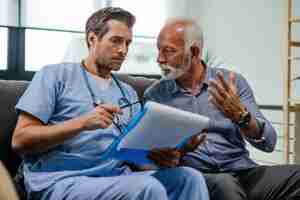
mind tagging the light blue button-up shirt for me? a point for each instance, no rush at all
(58, 93)
(225, 147)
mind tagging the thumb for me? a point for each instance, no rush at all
(232, 81)
(193, 143)
(199, 139)
(111, 108)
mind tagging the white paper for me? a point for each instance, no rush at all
(163, 126)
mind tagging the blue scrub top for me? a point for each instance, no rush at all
(58, 93)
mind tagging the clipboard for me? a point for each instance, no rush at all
(157, 126)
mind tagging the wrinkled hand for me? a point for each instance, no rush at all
(100, 117)
(165, 157)
(170, 157)
(225, 96)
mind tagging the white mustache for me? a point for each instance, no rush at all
(164, 68)
(170, 72)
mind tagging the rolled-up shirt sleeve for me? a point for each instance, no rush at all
(268, 140)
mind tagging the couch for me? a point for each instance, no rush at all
(7, 190)
(11, 91)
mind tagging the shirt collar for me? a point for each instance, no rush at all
(174, 88)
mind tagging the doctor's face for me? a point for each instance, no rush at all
(111, 50)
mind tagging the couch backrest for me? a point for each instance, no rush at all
(11, 91)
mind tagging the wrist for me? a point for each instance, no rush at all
(244, 119)
(80, 123)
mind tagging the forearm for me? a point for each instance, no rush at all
(267, 141)
(37, 138)
(260, 133)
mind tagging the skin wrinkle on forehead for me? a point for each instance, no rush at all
(183, 32)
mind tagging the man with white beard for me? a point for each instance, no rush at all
(227, 99)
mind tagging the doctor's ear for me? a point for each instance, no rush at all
(92, 37)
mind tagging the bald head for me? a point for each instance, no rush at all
(185, 32)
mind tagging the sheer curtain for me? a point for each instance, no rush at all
(56, 14)
(9, 12)
(3, 48)
(61, 25)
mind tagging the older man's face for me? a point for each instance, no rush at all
(172, 58)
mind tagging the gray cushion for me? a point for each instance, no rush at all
(138, 83)
(10, 92)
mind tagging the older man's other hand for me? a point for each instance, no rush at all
(224, 95)
(193, 143)
(170, 157)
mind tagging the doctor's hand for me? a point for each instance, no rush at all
(170, 157)
(225, 96)
(100, 117)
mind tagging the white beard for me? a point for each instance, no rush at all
(172, 73)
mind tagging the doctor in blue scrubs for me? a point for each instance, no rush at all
(67, 125)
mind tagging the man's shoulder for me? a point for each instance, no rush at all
(59, 67)
(59, 71)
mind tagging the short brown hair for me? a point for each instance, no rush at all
(97, 21)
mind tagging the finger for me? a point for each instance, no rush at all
(163, 156)
(103, 124)
(232, 81)
(193, 143)
(102, 112)
(216, 85)
(168, 153)
(163, 161)
(111, 108)
(106, 120)
(201, 138)
(214, 95)
(220, 77)
(204, 131)
(215, 102)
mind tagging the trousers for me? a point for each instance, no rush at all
(258, 183)
(182, 183)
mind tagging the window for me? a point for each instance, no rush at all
(46, 47)
(150, 15)
(3, 48)
(9, 12)
(56, 14)
(141, 58)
